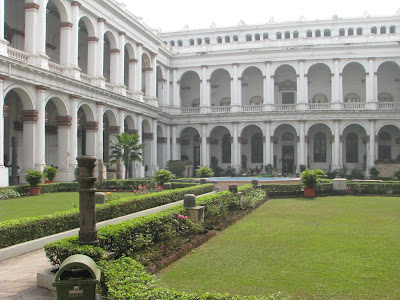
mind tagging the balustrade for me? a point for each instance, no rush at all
(17, 54)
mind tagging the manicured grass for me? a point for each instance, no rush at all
(31, 206)
(326, 248)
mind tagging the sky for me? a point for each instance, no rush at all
(172, 15)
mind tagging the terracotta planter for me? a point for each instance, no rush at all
(35, 190)
(49, 181)
(309, 192)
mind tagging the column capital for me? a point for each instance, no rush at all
(42, 88)
(148, 136)
(268, 62)
(92, 126)
(101, 20)
(154, 118)
(174, 69)
(132, 60)
(132, 131)
(92, 39)
(139, 45)
(112, 51)
(31, 6)
(204, 66)
(29, 116)
(173, 124)
(147, 69)
(76, 3)
(153, 55)
(235, 64)
(5, 114)
(336, 121)
(139, 114)
(66, 25)
(122, 33)
(235, 123)
(371, 58)
(64, 121)
(121, 109)
(114, 129)
(203, 124)
(336, 59)
(100, 103)
(72, 96)
(371, 120)
(268, 122)
(4, 76)
(302, 61)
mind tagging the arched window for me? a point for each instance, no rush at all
(180, 43)
(219, 40)
(172, 43)
(327, 32)
(226, 148)
(265, 36)
(235, 38)
(196, 103)
(351, 98)
(392, 29)
(257, 37)
(278, 35)
(384, 146)
(350, 31)
(374, 30)
(309, 33)
(207, 40)
(320, 147)
(287, 35)
(227, 39)
(352, 148)
(295, 34)
(287, 138)
(341, 32)
(226, 101)
(319, 98)
(317, 33)
(256, 148)
(214, 162)
(248, 37)
(191, 41)
(359, 31)
(383, 29)
(256, 100)
(199, 41)
(385, 97)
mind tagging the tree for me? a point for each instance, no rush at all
(126, 149)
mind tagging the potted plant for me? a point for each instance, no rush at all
(310, 180)
(397, 174)
(34, 178)
(50, 172)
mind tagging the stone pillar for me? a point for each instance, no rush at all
(153, 77)
(267, 143)
(121, 129)
(176, 101)
(92, 56)
(301, 158)
(203, 152)
(132, 74)
(2, 78)
(29, 118)
(139, 165)
(3, 42)
(372, 101)
(114, 65)
(166, 90)
(66, 44)
(73, 144)
(204, 95)
(272, 90)
(31, 30)
(337, 150)
(91, 132)
(87, 201)
(138, 76)
(337, 98)
(267, 87)
(371, 157)
(99, 135)
(63, 126)
(41, 25)
(235, 149)
(154, 148)
(40, 161)
(333, 87)
(235, 90)
(72, 48)
(100, 80)
(113, 131)
(121, 63)
(302, 97)
(174, 147)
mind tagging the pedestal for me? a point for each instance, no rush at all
(196, 214)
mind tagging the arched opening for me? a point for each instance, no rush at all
(160, 85)
(51, 148)
(161, 148)
(319, 147)
(190, 148)
(355, 147)
(146, 74)
(53, 32)
(190, 89)
(285, 85)
(389, 143)
(14, 23)
(319, 84)
(251, 146)
(252, 84)
(389, 82)
(147, 137)
(86, 33)
(354, 82)
(87, 129)
(220, 94)
(285, 149)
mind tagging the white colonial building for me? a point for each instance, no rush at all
(73, 74)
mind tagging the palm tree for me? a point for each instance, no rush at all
(126, 149)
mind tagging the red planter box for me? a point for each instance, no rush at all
(35, 190)
(309, 192)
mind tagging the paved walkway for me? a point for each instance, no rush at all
(18, 277)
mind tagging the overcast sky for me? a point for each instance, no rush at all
(170, 15)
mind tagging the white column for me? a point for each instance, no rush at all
(121, 125)
(31, 29)
(139, 165)
(272, 90)
(114, 66)
(154, 147)
(268, 101)
(204, 94)
(132, 74)
(73, 145)
(176, 101)
(336, 88)
(2, 78)
(168, 151)
(63, 126)
(301, 158)
(371, 99)
(153, 76)
(203, 151)
(3, 42)
(341, 97)
(99, 132)
(39, 41)
(333, 86)
(92, 55)
(235, 90)
(29, 118)
(302, 97)
(91, 133)
(166, 97)
(121, 60)
(100, 53)
(235, 149)
(174, 147)
(138, 76)
(337, 150)
(267, 143)
(66, 46)
(74, 46)
(371, 157)
(40, 160)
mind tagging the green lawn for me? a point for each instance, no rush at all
(326, 248)
(31, 206)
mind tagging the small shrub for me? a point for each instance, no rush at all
(163, 176)
(310, 177)
(332, 174)
(373, 171)
(356, 174)
(177, 167)
(269, 169)
(203, 172)
(50, 172)
(397, 174)
(34, 177)
(230, 172)
(8, 193)
(342, 172)
(218, 172)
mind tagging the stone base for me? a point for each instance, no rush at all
(340, 184)
(4, 176)
(44, 279)
(196, 214)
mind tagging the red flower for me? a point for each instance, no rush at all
(114, 190)
(162, 248)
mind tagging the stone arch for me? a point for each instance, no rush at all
(14, 18)
(220, 141)
(129, 67)
(244, 67)
(24, 94)
(110, 61)
(60, 103)
(189, 88)
(54, 19)
(319, 83)
(285, 85)
(388, 143)
(91, 29)
(62, 10)
(112, 39)
(251, 146)
(88, 110)
(355, 146)
(356, 62)
(319, 140)
(354, 80)
(129, 123)
(388, 72)
(276, 67)
(313, 64)
(86, 31)
(252, 84)
(112, 117)
(220, 91)
(285, 148)
(146, 67)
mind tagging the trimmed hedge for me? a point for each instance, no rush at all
(142, 237)
(140, 285)
(25, 229)
(374, 188)
(274, 190)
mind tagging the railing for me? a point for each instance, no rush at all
(354, 105)
(190, 110)
(56, 68)
(85, 78)
(284, 107)
(17, 54)
(389, 105)
(252, 108)
(220, 109)
(109, 87)
(319, 106)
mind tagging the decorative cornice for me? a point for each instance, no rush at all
(74, 96)
(4, 77)
(92, 39)
(66, 24)
(29, 116)
(101, 20)
(42, 88)
(91, 126)
(31, 6)
(113, 129)
(132, 60)
(76, 3)
(114, 51)
(64, 121)
(99, 103)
